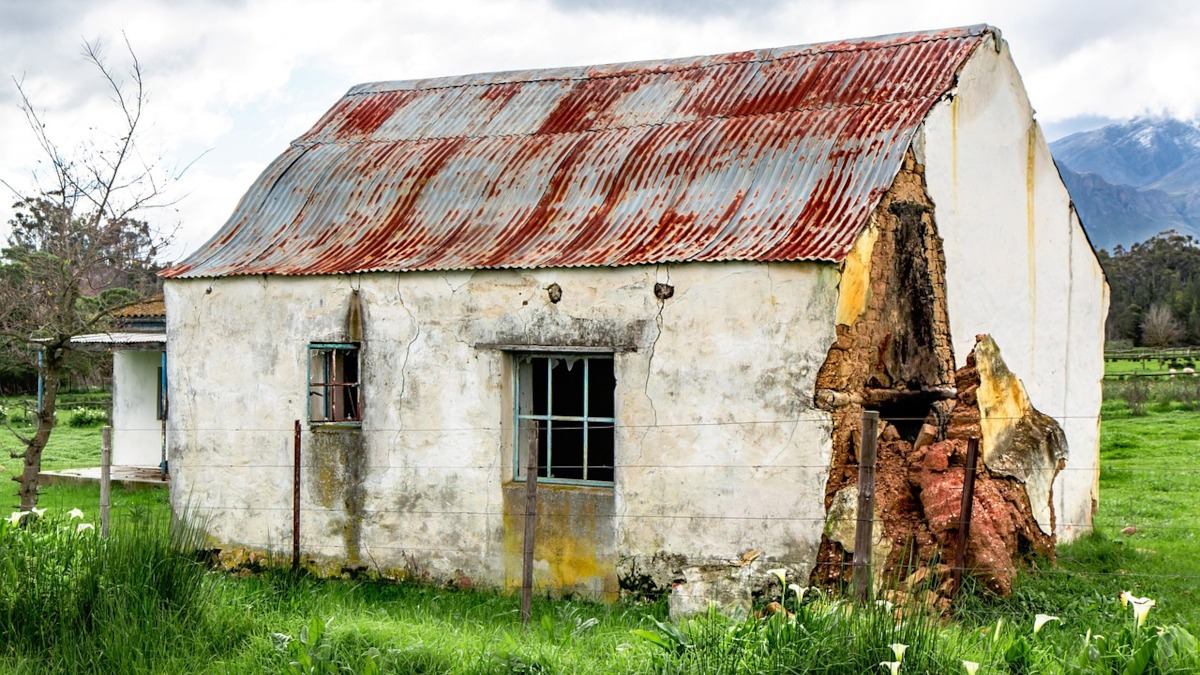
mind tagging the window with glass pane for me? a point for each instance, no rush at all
(333, 388)
(565, 412)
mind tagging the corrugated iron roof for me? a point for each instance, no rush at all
(771, 155)
(152, 308)
(117, 339)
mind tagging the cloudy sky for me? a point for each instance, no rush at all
(233, 81)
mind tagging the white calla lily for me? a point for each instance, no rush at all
(1141, 607)
(37, 512)
(1041, 620)
(893, 666)
(780, 574)
(15, 518)
(84, 527)
(898, 650)
(971, 667)
(75, 513)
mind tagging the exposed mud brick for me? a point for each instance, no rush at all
(893, 334)
(893, 350)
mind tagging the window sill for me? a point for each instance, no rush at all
(566, 483)
(316, 426)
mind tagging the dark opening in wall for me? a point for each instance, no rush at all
(906, 416)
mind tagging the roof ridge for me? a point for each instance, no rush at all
(803, 50)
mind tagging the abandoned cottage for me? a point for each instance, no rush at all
(680, 283)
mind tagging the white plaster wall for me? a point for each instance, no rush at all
(137, 431)
(1018, 264)
(718, 448)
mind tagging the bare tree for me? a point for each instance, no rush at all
(77, 239)
(1160, 328)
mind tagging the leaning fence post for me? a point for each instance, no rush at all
(105, 477)
(863, 530)
(964, 514)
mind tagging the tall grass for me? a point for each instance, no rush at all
(73, 602)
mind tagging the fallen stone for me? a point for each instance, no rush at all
(1128, 531)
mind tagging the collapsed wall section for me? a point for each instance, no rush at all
(893, 354)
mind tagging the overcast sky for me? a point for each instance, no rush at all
(233, 81)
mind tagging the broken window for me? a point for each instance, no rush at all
(334, 394)
(565, 412)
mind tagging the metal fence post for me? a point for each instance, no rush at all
(296, 500)
(863, 531)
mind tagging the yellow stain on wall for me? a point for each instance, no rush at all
(1001, 395)
(855, 286)
(571, 528)
(954, 149)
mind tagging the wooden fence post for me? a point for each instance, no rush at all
(964, 514)
(863, 530)
(531, 471)
(105, 478)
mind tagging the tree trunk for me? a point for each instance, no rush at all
(51, 372)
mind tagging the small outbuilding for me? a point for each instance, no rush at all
(680, 283)
(138, 345)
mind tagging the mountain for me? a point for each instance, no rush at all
(1133, 179)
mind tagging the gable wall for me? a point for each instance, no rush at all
(713, 407)
(1018, 265)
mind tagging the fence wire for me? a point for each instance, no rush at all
(276, 478)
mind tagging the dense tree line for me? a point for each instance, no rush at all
(1155, 291)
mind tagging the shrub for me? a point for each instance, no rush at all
(87, 417)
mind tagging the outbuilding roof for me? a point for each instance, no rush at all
(768, 155)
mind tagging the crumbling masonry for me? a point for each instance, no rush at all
(893, 354)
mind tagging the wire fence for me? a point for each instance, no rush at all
(395, 526)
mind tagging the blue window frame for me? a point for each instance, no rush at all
(334, 392)
(564, 408)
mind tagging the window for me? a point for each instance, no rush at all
(333, 388)
(565, 411)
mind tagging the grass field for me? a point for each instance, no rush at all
(1150, 480)
(69, 448)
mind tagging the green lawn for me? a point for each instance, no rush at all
(69, 448)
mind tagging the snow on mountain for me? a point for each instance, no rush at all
(1134, 179)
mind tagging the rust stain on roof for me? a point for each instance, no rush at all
(152, 308)
(771, 155)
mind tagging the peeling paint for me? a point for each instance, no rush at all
(1017, 440)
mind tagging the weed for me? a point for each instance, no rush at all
(1137, 393)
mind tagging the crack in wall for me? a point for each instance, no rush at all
(416, 327)
(658, 322)
(893, 354)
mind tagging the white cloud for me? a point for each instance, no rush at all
(240, 79)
